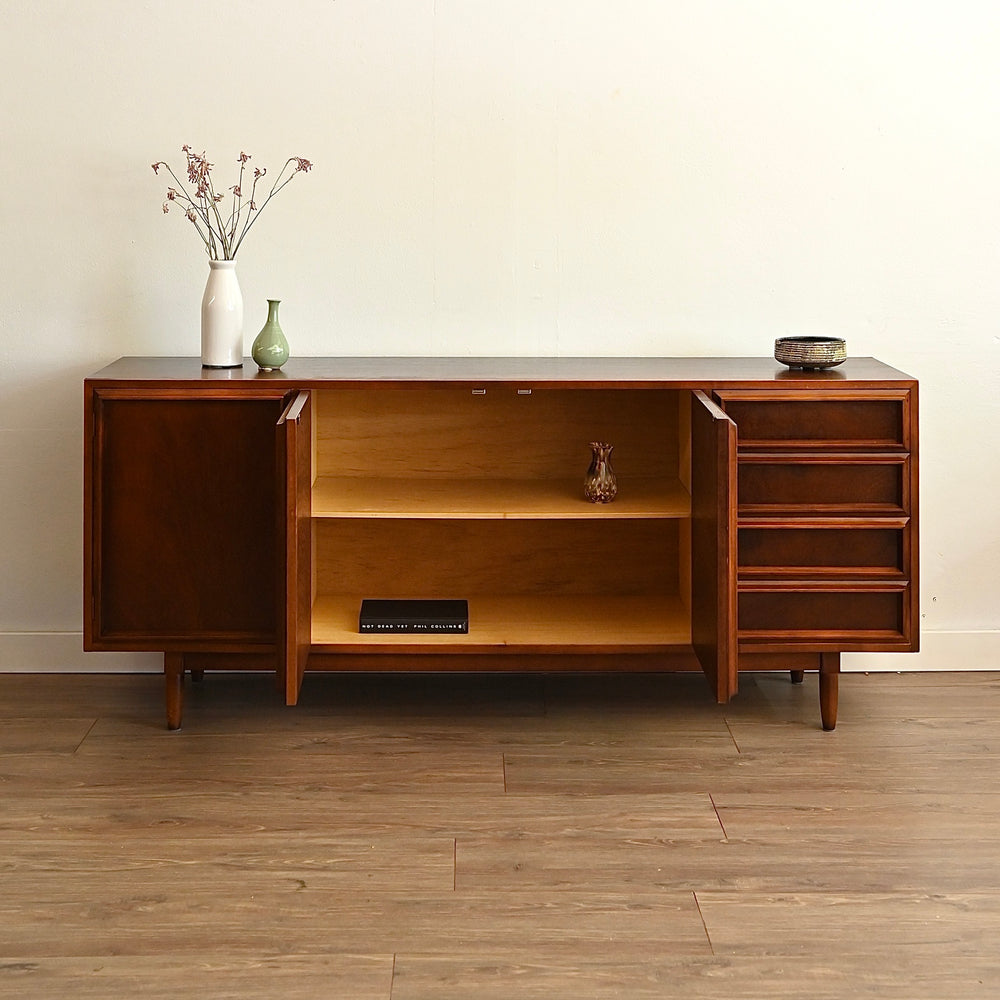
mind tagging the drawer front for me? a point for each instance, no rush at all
(875, 420)
(766, 550)
(861, 615)
(819, 485)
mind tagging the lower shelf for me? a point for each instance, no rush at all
(522, 624)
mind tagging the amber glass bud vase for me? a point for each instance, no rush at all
(270, 349)
(600, 484)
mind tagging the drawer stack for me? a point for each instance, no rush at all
(825, 519)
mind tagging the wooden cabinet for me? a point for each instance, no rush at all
(766, 519)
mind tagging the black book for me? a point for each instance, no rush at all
(414, 616)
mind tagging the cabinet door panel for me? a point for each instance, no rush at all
(294, 445)
(182, 517)
(713, 543)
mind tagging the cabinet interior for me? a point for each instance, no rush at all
(479, 494)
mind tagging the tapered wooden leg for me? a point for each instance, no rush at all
(798, 676)
(173, 672)
(829, 689)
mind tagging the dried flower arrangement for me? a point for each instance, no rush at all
(223, 235)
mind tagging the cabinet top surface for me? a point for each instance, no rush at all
(592, 371)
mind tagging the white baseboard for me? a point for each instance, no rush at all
(938, 651)
(62, 652)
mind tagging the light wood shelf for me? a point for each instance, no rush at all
(535, 623)
(374, 497)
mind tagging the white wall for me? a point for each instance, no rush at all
(516, 177)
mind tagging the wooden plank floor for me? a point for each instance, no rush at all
(431, 838)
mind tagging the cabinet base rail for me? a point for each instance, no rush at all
(177, 664)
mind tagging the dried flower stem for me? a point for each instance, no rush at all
(222, 238)
(275, 188)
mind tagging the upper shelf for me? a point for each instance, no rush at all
(371, 497)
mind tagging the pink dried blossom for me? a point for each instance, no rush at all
(223, 230)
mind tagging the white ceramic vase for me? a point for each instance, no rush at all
(222, 317)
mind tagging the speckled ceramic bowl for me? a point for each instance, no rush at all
(810, 352)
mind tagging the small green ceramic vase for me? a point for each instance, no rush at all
(270, 349)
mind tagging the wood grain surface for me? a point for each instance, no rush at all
(409, 837)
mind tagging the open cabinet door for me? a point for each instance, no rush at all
(713, 544)
(295, 529)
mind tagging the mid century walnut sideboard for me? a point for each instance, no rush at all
(766, 518)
